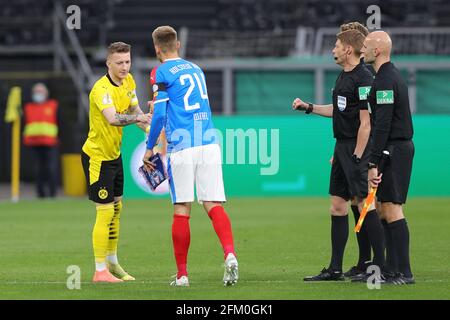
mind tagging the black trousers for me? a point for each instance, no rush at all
(46, 170)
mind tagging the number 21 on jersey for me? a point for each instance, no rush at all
(201, 85)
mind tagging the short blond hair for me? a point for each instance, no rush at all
(118, 47)
(355, 26)
(165, 37)
(353, 38)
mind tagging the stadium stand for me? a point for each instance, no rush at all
(24, 22)
(213, 30)
(247, 28)
(141, 18)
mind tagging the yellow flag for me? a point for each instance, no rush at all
(13, 105)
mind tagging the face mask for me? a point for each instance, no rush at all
(38, 97)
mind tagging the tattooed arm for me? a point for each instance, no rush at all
(121, 120)
(136, 110)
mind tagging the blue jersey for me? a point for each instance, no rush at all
(181, 106)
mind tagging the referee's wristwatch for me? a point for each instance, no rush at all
(356, 159)
(372, 165)
(310, 108)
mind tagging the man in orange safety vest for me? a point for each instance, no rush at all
(41, 135)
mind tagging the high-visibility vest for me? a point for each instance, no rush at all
(41, 126)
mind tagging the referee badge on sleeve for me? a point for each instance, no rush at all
(341, 102)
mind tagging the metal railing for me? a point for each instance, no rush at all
(217, 50)
(79, 70)
(304, 41)
(230, 67)
(432, 41)
(227, 44)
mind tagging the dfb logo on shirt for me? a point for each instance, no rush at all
(106, 99)
(341, 102)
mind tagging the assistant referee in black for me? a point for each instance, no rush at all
(392, 130)
(351, 128)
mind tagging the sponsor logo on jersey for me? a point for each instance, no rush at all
(385, 97)
(363, 92)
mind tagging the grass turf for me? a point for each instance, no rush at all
(278, 240)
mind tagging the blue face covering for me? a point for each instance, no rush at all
(38, 97)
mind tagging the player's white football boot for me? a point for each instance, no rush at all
(231, 274)
(183, 281)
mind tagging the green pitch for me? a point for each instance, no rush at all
(278, 240)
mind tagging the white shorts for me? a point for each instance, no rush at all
(200, 165)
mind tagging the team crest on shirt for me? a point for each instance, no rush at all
(102, 193)
(341, 103)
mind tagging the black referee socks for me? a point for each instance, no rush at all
(391, 258)
(365, 253)
(376, 236)
(339, 236)
(400, 238)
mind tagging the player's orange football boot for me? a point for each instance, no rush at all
(105, 276)
(117, 271)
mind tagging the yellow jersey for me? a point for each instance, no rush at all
(104, 140)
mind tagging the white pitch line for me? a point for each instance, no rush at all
(205, 282)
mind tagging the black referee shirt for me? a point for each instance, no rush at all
(391, 116)
(350, 95)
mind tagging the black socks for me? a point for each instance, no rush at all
(400, 243)
(339, 236)
(391, 264)
(375, 234)
(365, 253)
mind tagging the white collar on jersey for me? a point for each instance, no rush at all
(172, 59)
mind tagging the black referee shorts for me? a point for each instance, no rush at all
(104, 178)
(348, 179)
(397, 173)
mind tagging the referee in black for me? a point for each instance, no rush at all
(362, 237)
(392, 130)
(351, 128)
